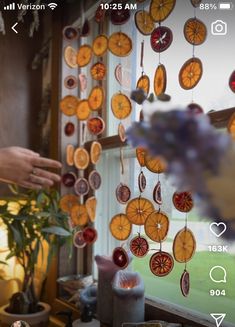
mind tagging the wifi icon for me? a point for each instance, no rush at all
(52, 5)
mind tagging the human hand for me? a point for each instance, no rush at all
(26, 168)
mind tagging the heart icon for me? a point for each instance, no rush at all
(218, 229)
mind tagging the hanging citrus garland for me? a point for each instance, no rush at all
(161, 39)
(195, 33)
(184, 244)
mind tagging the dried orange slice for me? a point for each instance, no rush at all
(139, 246)
(160, 80)
(142, 182)
(140, 155)
(161, 264)
(78, 240)
(96, 125)
(95, 152)
(69, 129)
(67, 202)
(160, 9)
(185, 283)
(81, 186)
(232, 82)
(122, 132)
(138, 210)
(100, 45)
(79, 215)
(90, 235)
(157, 193)
(70, 57)
(96, 98)
(183, 201)
(190, 73)
(68, 105)
(196, 3)
(155, 164)
(231, 126)
(95, 180)
(81, 158)
(123, 193)
(143, 83)
(91, 204)
(98, 71)
(156, 226)
(84, 55)
(195, 31)
(70, 155)
(121, 105)
(83, 110)
(120, 257)
(120, 227)
(144, 22)
(184, 245)
(120, 44)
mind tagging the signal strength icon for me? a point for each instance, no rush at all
(52, 5)
(10, 7)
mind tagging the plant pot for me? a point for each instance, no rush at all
(39, 319)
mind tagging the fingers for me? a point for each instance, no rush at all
(44, 162)
(28, 152)
(44, 182)
(31, 186)
(46, 174)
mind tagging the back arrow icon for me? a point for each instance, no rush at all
(13, 28)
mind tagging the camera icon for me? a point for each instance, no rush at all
(219, 28)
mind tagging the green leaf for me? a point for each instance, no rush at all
(3, 263)
(56, 230)
(16, 235)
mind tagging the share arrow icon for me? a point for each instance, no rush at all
(219, 317)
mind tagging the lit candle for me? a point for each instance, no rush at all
(128, 303)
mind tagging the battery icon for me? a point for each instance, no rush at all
(225, 5)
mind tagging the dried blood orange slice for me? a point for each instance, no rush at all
(190, 73)
(100, 13)
(96, 98)
(161, 38)
(196, 3)
(140, 155)
(69, 179)
(94, 180)
(100, 45)
(70, 82)
(141, 182)
(160, 9)
(155, 164)
(69, 129)
(143, 83)
(195, 108)
(120, 227)
(70, 33)
(138, 210)
(160, 80)
(81, 187)
(84, 55)
(120, 44)
(91, 204)
(98, 71)
(183, 201)
(83, 110)
(78, 240)
(144, 22)
(185, 283)
(70, 155)
(95, 152)
(121, 106)
(68, 105)
(122, 132)
(67, 201)
(157, 194)
(231, 126)
(120, 257)
(90, 235)
(195, 31)
(79, 215)
(119, 16)
(81, 158)
(161, 264)
(118, 74)
(96, 125)
(184, 245)
(156, 226)
(123, 193)
(232, 81)
(70, 56)
(139, 246)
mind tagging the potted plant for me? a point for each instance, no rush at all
(32, 220)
